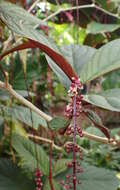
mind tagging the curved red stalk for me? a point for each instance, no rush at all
(50, 168)
(56, 57)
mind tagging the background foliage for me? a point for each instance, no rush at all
(89, 40)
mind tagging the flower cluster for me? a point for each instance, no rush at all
(68, 182)
(38, 175)
(73, 110)
(75, 87)
(70, 130)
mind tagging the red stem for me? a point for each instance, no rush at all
(50, 168)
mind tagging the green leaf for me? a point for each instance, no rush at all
(97, 178)
(23, 114)
(55, 184)
(95, 27)
(18, 128)
(18, 17)
(4, 95)
(112, 80)
(11, 177)
(109, 99)
(104, 60)
(61, 75)
(94, 178)
(27, 152)
(77, 55)
(58, 123)
(60, 166)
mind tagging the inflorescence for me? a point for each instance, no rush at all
(72, 111)
(38, 175)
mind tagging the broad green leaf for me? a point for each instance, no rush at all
(94, 178)
(23, 114)
(27, 152)
(95, 27)
(58, 123)
(104, 60)
(4, 95)
(111, 80)
(97, 178)
(77, 55)
(55, 184)
(109, 99)
(11, 178)
(18, 128)
(61, 75)
(18, 16)
(60, 166)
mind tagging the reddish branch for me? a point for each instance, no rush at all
(50, 167)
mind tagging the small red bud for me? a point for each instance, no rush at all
(62, 182)
(68, 176)
(79, 181)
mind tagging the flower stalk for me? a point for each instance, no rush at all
(74, 142)
(73, 110)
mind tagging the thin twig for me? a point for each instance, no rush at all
(24, 101)
(45, 141)
(107, 12)
(100, 139)
(64, 10)
(33, 6)
(69, 9)
(88, 135)
(79, 7)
